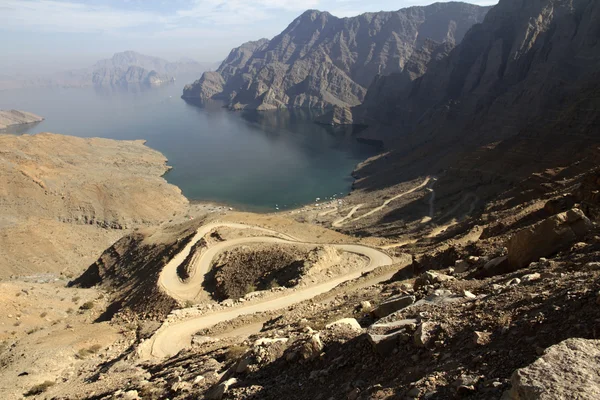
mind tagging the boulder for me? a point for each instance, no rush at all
(481, 338)
(131, 395)
(461, 266)
(392, 305)
(430, 278)
(568, 370)
(440, 296)
(496, 266)
(560, 204)
(312, 348)
(547, 237)
(394, 325)
(531, 277)
(384, 345)
(366, 306)
(218, 392)
(424, 334)
(349, 323)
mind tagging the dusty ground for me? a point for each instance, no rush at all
(47, 333)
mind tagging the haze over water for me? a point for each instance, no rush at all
(249, 160)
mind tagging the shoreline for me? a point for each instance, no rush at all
(326, 203)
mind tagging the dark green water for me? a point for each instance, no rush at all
(249, 160)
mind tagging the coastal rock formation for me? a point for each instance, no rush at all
(65, 199)
(321, 61)
(15, 117)
(337, 116)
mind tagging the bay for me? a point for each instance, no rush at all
(253, 161)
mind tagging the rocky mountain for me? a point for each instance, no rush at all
(516, 97)
(321, 61)
(125, 68)
(14, 117)
(132, 75)
(129, 58)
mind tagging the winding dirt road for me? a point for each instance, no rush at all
(171, 338)
(341, 222)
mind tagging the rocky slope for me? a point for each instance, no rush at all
(321, 61)
(65, 199)
(516, 103)
(461, 321)
(15, 117)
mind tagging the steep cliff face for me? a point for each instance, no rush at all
(321, 61)
(212, 85)
(501, 106)
(523, 60)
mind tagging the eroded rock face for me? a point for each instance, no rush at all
(337, 116)
(321, 61)
(547, 237)
(568, 370)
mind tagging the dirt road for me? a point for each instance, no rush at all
(171, 338)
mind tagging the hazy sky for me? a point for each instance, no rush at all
(58, 34)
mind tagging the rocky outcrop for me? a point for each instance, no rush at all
(212, 84)
(568, 370)
(15, 117)
(208, 87)
(547, 237)
(337, 116)
(392, 305)
(321, 61)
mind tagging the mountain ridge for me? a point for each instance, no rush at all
(123, 68)
(320, 60)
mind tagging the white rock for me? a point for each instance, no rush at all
(348, 322)
(531, 277)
